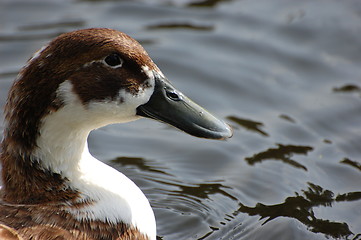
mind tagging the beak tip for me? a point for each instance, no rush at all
(226, 133)
(219, 131)
(229, 133)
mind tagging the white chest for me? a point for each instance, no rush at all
(116, 198)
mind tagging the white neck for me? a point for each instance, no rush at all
(63, 149)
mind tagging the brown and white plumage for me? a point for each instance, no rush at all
(52, 187)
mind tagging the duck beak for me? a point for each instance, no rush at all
(169, 105)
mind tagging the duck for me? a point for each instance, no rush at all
(52, 187)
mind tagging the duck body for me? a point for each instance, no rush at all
(52, 187)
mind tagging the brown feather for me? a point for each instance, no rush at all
(36, 202)
(51, 221)
(7, 233)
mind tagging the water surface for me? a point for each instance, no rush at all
(285, 74)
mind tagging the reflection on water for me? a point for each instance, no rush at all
(191, 26)
(206, 3)
(352, 196)
(354, 164)
(302, 208)
(348, 88)
(290, 68)
(140, 163)
(196, 191)
(287, 118)
(248, 124)
(200, 191)
(282, 153)
(183, 198)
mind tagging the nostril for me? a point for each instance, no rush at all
(173, 95)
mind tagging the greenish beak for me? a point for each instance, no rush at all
(169, 105)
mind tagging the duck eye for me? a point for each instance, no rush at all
(113, 60)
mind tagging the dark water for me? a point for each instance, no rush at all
(286, 74)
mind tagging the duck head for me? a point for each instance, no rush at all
(106, 77)
(81, 81)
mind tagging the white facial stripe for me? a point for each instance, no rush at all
(102, 61)
(107, 111)
(62, 148)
